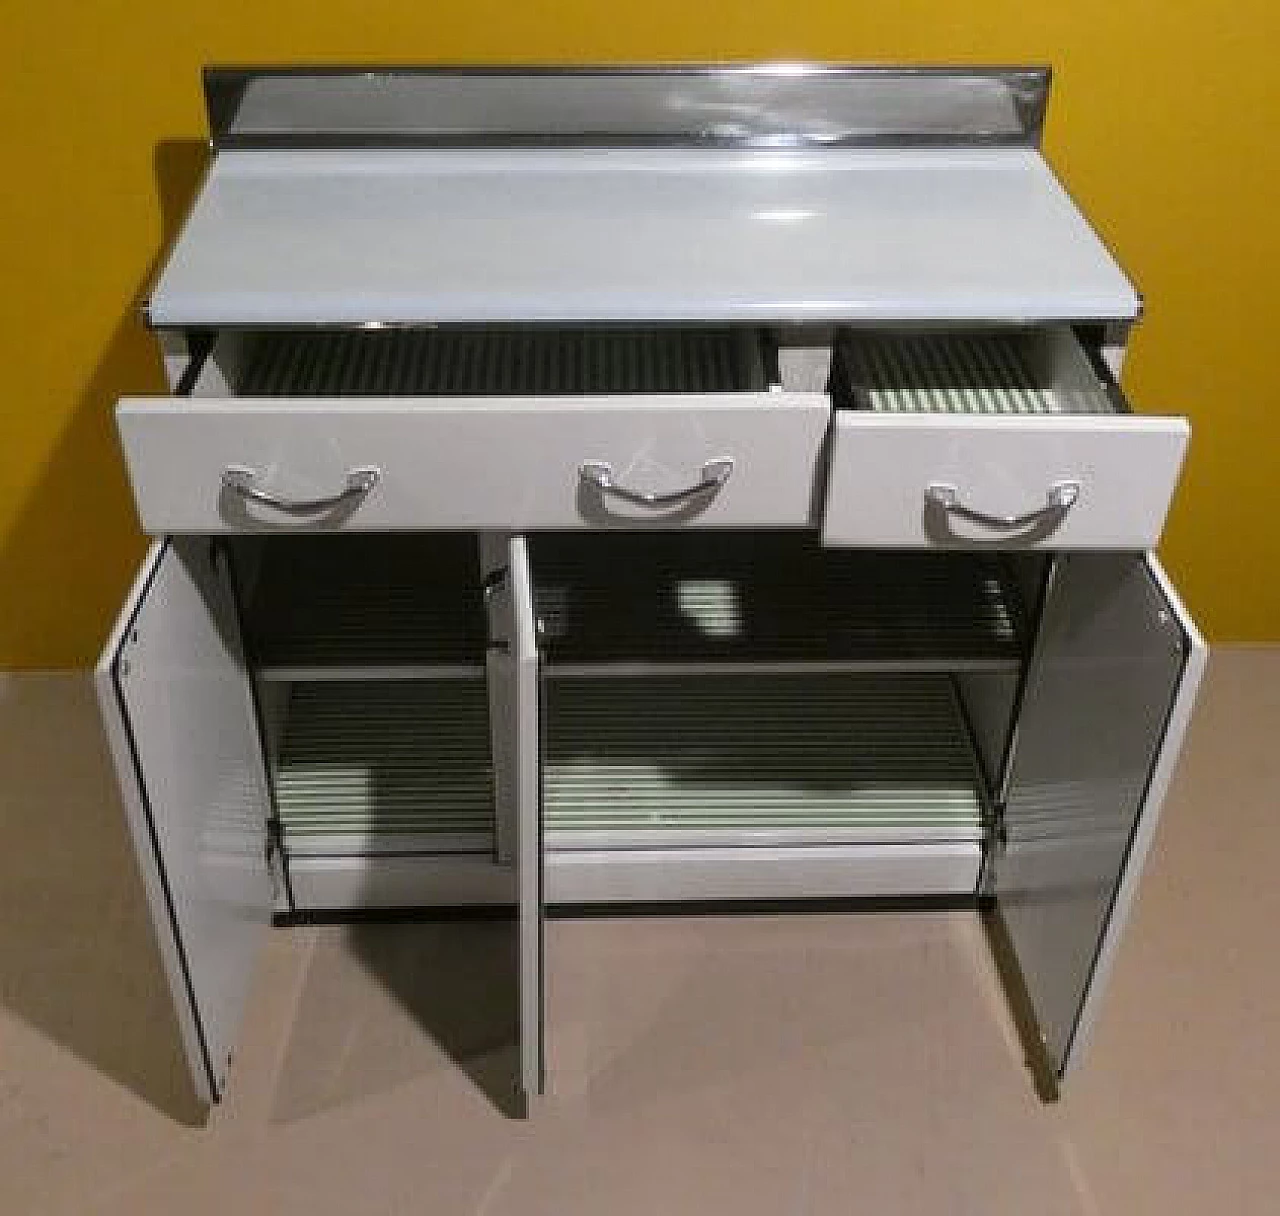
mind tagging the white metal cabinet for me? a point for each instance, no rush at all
(762, 692)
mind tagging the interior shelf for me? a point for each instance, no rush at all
(646, 601)
(758, 759)
(332, 607)
(1037, 372)
(376, 767)
(461, 362)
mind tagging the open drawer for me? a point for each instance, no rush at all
(1009, 439)
(445, 429)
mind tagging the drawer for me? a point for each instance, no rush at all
(1016, 440)
(253, 450)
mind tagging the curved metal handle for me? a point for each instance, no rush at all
(244, 481)
(1062, 497)
(599, 474)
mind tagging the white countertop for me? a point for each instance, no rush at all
(342, 237)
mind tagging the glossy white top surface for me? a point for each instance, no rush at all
(298, 237)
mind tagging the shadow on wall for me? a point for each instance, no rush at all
(70, 550)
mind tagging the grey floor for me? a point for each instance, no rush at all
(787, 1066)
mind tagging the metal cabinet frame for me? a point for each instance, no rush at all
(1104, 698)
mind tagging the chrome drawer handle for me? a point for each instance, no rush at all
(1062, 497)
(244, 481)
(599, 474)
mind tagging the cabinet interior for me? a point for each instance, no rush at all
(1006, 370)
(663, 599)
(1042, 370)
(748, 695)
(459, 362)
(746, 692)
(762, 758)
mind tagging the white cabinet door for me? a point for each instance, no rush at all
(515, 711)
(1109, 693)
(177, 707)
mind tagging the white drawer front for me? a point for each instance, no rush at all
(745, 459)
(1008, 481)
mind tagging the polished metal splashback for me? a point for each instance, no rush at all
(770, 105)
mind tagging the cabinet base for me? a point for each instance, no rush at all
(641, 876)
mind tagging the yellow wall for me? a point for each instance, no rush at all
(1163, 124)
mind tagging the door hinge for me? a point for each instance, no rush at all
(996, 842)
(999, 827)
(492, 585)
(273, 853)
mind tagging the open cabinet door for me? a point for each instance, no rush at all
(515, 713)
(1107, 701)
(178, 711)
